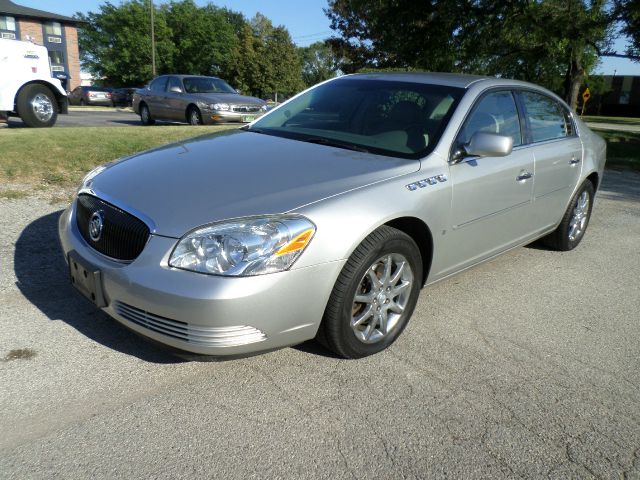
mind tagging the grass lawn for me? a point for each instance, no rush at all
(62, 156)
(623, 148)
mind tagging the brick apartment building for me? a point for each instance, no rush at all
(56, 32)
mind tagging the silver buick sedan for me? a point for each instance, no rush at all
(196, 100)
(324, 218)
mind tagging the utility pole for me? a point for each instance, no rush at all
(153, 42)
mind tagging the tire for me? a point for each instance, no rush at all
(145, 115)
(37, 106)
(82, 103)
(351, 326)
(193, 116)
(574, 222)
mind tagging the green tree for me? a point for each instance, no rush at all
(629, 11)
(265, 60)
(244, 69)
(397, 34)
(115, 43)
(203, 38)
(319, 63)
(285, 63)
(551, 42)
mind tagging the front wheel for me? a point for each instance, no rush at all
(37, 106)
(574, 222)
(194, 117)
(374, 296)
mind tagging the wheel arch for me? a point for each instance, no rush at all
(594, 178)
(61, 100)
(189, 108)
(421, 234)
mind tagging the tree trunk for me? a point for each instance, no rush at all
(572, 82)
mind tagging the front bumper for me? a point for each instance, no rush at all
(206, 314)
(213, 117)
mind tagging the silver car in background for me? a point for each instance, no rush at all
(196, 100)
(326, 217)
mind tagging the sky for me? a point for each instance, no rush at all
(305, 20)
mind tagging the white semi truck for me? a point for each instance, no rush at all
(27, 89)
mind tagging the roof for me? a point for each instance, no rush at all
(7, 7)
(452, 79)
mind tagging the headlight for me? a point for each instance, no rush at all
(220, 106)
(244, 247)
(264, 108)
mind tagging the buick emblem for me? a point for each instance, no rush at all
(95, 226)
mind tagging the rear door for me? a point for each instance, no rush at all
(491, 196)
(558, 156)
(155, 98)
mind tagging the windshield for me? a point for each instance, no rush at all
(206, 85)
(403, 119)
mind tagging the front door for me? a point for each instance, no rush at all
(491, 196)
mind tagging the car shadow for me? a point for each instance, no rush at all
(616, 185)
(42, 278)
(620, 185)
(135, 122)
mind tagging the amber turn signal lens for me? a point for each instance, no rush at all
(298, 243)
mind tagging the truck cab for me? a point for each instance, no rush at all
(27, 89)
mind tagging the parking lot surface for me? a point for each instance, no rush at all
(90, 118)
(527, 366)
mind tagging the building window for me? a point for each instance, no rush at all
(56, 57)
(53, 28)
(8, 23)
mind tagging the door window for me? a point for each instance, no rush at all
(174, 82)
(495, 113)
(158, 85)
(548, 119)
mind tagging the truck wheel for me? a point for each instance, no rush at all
(37, 106)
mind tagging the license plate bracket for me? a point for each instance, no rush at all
(87, 279)
(248, 118)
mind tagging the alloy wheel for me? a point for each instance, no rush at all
(381, 298)
(579, 217)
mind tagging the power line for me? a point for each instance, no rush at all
(299, 37)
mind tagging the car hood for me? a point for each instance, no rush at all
(234, 174)
(231, 98)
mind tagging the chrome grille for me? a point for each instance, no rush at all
(205, 336)
(246, 108)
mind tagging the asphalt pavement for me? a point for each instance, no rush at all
(526, 366)
(107, 117)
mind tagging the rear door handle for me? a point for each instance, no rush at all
(524, 175)
(574, 160)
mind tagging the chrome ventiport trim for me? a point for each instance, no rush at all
(427, 181)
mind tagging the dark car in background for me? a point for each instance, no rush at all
(196, 100)
(91, 96)
(122, 97)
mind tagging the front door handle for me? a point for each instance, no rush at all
(574, 160)
(524, 175)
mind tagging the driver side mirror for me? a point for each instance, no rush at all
(483, 144)
(175, 90)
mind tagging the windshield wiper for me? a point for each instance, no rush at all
(335, 143)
